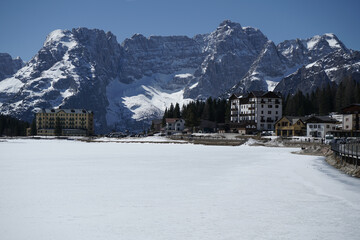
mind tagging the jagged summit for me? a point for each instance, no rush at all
(9, 66)
(229, 24)
(128, 84)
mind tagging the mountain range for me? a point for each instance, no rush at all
(130, 83)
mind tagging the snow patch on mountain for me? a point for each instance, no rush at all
(144, 99)
(311, 43)
(184, 75)
(64, 37)
(10, 85)
(271, 85)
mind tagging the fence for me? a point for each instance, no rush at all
(349, 152)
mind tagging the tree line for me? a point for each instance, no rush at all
(10, 126)
(215, 110)
(326, 99)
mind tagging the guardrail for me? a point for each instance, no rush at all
(349, 152)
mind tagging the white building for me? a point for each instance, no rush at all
(174, 125)
(319, 126)
(257, 110)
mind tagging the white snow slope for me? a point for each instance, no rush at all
(54, 189)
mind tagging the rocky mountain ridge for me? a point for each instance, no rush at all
(128, 84)
(9, 66)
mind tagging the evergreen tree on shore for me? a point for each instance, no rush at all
(10, 126)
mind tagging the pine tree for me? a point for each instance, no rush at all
(177, 111)
(171, 111)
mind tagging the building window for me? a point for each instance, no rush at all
(269, 106)
(269, 112)
(277, 112)
(276, 106)
(262, 112)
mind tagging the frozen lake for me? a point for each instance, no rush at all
(58, 189)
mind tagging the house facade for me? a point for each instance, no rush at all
(289, 126)
(174, 125)
(257, 110)
(351, 121)
(319, 126)
(73, 122)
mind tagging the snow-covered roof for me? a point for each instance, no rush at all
(77, 111)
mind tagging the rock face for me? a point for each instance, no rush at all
(276, 62)
(331, 68)
(8, 65)
(128, 84)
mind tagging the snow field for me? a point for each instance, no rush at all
(58, 189)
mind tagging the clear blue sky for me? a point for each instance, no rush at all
(24, 24)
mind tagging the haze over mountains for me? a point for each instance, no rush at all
(128, 84)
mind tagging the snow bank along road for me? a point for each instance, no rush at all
(58, 189)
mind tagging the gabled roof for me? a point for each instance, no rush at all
(321, 119)
(172, 120)
(78, 111)
(262, 94)
(352, 108)
(272, 95)
(294, 119)
(256, 94)
(233, 97)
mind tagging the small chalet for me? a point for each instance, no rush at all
(174, 125)
(319, 126)
(289, 126)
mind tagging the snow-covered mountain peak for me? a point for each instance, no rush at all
(227, 28)
(229, 24)
(59, 36)
(327, 40)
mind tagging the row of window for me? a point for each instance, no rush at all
(269, 112)
(245, 106)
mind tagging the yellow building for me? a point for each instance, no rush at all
(289, 126)
(73, 122)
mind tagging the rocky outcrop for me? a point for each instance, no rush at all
(8, 65)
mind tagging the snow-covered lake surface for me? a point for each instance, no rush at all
(58, 189)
